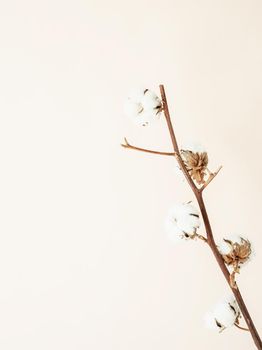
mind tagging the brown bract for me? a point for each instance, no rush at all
(196, 164)
(239, 253)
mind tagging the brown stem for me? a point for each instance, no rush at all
(210, 237)
(174, 142)
(127, 145)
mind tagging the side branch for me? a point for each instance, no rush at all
(127, 145)
(202, 238)
(211, 178)
(242, 328)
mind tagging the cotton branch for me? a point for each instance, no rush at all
(142, 119)
(210, 238)
(127, 145)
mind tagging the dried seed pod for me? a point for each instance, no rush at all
(235, 252)
(196, 164)
(238, 252)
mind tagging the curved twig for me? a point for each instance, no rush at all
(242, 328)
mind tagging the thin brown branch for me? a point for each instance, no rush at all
(174, 141)
(242, 328)
(202, 238)
(210, 178)
(127, 145)
(210, 238)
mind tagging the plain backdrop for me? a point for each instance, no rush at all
(84, 259)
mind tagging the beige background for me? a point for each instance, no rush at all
(84, 260)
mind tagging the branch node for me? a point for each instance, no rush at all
(202, 238)
(210, 178)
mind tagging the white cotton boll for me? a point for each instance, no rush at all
(190, 209)
(142, 106)
(151, 101)
(211, 322)
(230, 299)
(178, 211)
(224, 315)
(181, 209)
(224, 247)
(132, 109)
(189, 223)
(152, 113)
(136, 95)
(144, 118)
(174, 233)
(182, 221)
(188, 218)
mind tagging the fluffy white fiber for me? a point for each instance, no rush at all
(182, 222)
(142, 106)
(223, 315)
(224, 247)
